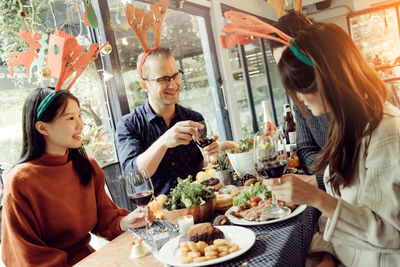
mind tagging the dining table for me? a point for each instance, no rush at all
(282, 243)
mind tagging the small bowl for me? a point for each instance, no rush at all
(200, 213)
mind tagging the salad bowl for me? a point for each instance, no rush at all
(200, 213)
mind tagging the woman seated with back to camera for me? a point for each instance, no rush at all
(361, 158)
(55, 195)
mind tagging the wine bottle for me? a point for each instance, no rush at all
(290, 128)
(269, 127)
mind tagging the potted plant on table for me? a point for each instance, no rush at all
(223, 169)
(241, 158)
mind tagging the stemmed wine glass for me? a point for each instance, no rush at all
(270, 162)
(140, 190)
(203, 137)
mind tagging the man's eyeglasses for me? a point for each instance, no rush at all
(165, 79)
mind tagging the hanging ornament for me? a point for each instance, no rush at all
(89, 16)
(46, 72)
(22, 13)
(107, 76)
(106, 50)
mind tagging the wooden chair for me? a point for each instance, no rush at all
(116, 185)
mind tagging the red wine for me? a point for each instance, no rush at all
(272, 169)
(204, 142)
(142, 198)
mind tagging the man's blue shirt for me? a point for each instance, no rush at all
(139, 129)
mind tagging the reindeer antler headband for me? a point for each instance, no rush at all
(140, 22)
(245, 28)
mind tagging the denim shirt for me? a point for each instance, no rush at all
(139, 129)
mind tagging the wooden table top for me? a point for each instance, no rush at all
(116, 253)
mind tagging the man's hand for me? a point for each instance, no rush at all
(211, 151)
(180, 134)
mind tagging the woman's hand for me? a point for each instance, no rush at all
(293, 189)
(136, 219)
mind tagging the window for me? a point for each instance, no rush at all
(88, 88)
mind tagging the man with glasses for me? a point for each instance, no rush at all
(157, 136)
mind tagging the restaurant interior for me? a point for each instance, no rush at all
(227, 86)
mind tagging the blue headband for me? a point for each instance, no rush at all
(46, 103)
(300, 55)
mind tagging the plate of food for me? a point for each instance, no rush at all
(251, 203)
(204, 245)
(254, 215)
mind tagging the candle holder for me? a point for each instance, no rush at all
(185, 222)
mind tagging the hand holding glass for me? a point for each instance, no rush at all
(140, 190)
(204, 136)
(270, 162)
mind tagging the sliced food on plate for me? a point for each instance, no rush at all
(253, 202)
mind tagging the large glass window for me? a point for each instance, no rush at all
(183, 33)
(97, 133)
(258, 83)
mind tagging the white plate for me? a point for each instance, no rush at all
(244, 237)
(241, 221)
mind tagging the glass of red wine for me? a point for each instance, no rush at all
(203, 137)
(270, 162)
(140, 190)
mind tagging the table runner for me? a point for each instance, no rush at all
(283, 243)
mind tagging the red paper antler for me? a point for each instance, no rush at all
(25, 58)
(245, 28)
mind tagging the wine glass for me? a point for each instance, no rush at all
(203, 137)
(140, 190)
(270, 162)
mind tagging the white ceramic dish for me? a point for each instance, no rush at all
(244, 237)
(241, 221)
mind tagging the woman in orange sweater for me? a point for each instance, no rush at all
(55, 196)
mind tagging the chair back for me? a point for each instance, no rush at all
(116, 185)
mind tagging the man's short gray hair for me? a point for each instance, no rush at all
(159, 53)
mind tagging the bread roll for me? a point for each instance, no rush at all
(223, 201)
(201, 176)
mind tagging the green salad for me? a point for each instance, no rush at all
(187, 194)
(258, 189)
(245, 145)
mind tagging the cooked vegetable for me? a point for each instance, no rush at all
(254, 190)
(187, 194)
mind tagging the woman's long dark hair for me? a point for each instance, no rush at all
(33, 143)
(348, 85)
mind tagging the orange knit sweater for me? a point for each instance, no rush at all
(48, 213)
